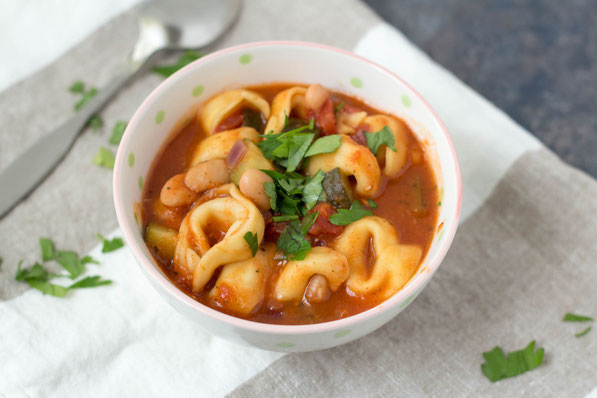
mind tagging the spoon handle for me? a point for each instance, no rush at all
(26, 173)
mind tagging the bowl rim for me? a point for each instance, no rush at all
(129, 229)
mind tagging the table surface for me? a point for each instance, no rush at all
(535, 60)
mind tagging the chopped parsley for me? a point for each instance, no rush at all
(382, 137)
(371, 204)
(104, 158)
(293, 194)
(287, 149)
(117, 132)
(338, 107)
(78, 88)
(327, 144)
(284, 218)
(347, 216)
(293, 241)
(569, 317)
(252, 241)
(186, 58)
(47, 249)
(110, 245)
(40, 278)
(498, 366)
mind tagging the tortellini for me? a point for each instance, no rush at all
(353, 160)
(394, 263)
(295, 276)
(240, 286)
(194, 257)
(394, 161)
(218, 146)
(223, 105)
(347, 122)
(284, 103)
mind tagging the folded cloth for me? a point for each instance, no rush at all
(522, 258)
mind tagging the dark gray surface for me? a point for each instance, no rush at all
(536, 60)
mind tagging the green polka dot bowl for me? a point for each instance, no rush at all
(177, 99)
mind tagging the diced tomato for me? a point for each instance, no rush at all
(274, 230)
(233, 121)
(351, 108)
(322, 225)
(324, 117)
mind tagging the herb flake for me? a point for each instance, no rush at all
(252, 241)
(498, 366)
(347, 216)
(110, 245)
(382, 137)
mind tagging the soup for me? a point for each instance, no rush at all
(290, 204)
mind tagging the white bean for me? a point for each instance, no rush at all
(315, 96)
(251, 185)
(317, 290)
(175, 193)
(207, 175)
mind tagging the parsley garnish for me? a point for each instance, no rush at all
(185, 59)
(338, 107)
(371, 204)
(284, 218)
(382, 137)
(78, 87)
(498, 366)
(90, 281)
(293, 240)
(347, 216)
(104, 158)
(110, 245)
(292, 193)
(327, 144)
(47, 249)
(251, 239)
(287, 149)
(96, 123)
(117, 132)
(569, 317)
(39, 278)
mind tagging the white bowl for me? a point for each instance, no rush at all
(173, 101)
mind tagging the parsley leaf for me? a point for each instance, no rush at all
(110, 245)
(347, 216)
(185, 59)
(69, 260)
(293, 240)
(569, 317)
(47, 249)
(587, 330)
(35, 272)
(288, 148)
(299, 144)
(117, 132)
(251, 239)
(327, 144)
(90, 281)
(498, 366)
(270, 191)
(95, 123)
(87, 96)
(77, 87)
(284, 218)
(89, 260)
(382, 137)
(313, 189)
(338, 107)
(104, 158)
(48, 288)
(371, 204)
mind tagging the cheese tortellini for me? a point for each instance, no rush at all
(223, 105)
(284, 103)
(218, 146)
(195, 257)
(394, 161)
(393, 265)
(296, 274)
(353, 160)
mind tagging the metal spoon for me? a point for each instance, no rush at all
(165, 26)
